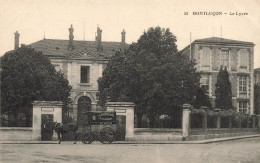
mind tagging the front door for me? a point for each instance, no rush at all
(84, 105)
(46, 127)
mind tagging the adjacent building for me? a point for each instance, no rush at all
(257, 75)
(257, 98)
(237, 56)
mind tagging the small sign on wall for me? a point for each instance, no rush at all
(47, 109)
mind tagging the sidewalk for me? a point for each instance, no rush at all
(206, 141)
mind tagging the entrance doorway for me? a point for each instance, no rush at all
(84, 105)
(46, 127)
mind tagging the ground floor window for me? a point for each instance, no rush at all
(84, 105)
(204, 82)
(242, 84)
(243, 107)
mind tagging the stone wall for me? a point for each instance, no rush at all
(15, 133)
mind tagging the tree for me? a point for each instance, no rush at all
(223, 90)
(202, 99)
(152, 74)
(27, 76)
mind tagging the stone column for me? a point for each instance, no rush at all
(125, 109)
(186, 121)
(129, 123)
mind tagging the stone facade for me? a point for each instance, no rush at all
(237, 56)
(82, 63)
(257, 75)
(257, 82)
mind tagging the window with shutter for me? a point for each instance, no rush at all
(243, 59)
(205, 58)
(224, 58)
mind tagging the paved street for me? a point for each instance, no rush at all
(242, 150)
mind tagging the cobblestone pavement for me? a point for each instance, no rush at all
(242, 150)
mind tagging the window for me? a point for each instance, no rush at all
(224, 58)
(84, 74)
(205, 58)
(243, 107)
(57, 67)
(243, 59)
(204, 82)
(242, 84)
(104, 66)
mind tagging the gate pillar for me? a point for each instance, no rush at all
(40, 108)
(186, 121)
(124, 109)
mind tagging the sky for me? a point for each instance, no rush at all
(33, 18)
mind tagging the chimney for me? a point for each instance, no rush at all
(71, 37)
(98, 39)
(16, 40)
(123, 36)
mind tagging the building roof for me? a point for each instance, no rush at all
(257, 70)
(219, 41)
(82, 49)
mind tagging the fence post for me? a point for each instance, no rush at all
(124, 109)
(218, 122)
(253, 120)
(230, 122)
(247, 121)
(205, 123)
(239, 121)
(258, 121)
(186, 121)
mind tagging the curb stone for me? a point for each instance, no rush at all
(206, 141)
